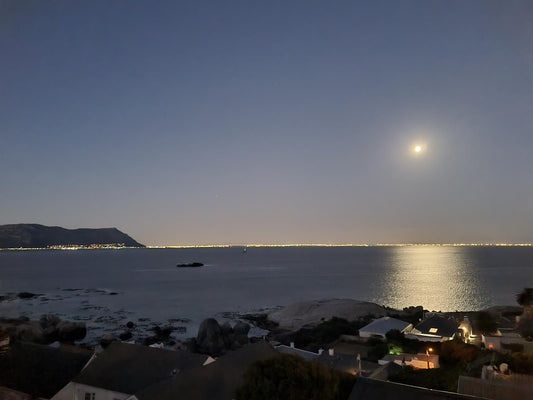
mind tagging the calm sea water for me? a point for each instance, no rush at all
(108, 287)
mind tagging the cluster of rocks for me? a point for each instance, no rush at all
(161, 334)
(215, 339)
(20, 295)
(50, 328)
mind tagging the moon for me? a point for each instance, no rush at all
(418, 149)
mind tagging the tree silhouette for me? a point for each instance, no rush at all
(525, 299)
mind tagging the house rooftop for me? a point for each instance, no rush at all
(366, 388)
(38, 370)
(217, 380)
(306, 355)
(383, 325)
(383, 372)
(438, 326)
(128, 368)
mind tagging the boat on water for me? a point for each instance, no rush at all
(190, 265)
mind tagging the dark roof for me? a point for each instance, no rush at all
(384, 371)
(128, 368)
(444, 326)
(306, 355)
(366, 388)
(40, 370)
(346, 363)
(217, 380)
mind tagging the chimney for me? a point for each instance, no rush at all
(331, 352)
(320, 351)
(292, 345)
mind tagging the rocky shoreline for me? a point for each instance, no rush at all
(213, 337)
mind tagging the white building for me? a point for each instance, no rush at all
(380, 327)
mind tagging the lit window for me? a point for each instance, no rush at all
(433, 330)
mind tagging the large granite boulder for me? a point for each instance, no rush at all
(210, 338)
(107, 339)
(226, 328)
(49, 320)
(241, 328)
(71, 331)
(240, 334)
(30, 331)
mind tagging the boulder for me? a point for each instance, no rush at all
(241, 328)
(125, 335)
(71, 331)
(163, 332)
(49, 320)
(226, 328)
(210, 338)
(107, 339)
(150, 340)
(26, 295)
(30, 332)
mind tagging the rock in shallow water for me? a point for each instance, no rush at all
(71, 331)
(26, 295)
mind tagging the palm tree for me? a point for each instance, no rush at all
(525, 299)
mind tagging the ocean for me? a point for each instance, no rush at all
(107, 288)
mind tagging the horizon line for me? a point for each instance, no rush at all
(213, 245)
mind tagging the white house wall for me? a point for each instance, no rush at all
(76, 391)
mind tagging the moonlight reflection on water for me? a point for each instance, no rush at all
(431, 276)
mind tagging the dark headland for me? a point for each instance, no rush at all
(41, 236)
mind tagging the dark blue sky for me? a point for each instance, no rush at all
(186, 122)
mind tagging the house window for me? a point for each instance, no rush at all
(433, 330)
(90, 396)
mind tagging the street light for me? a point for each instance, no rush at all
(428, 350)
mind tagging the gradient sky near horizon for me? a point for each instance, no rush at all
(194, 122)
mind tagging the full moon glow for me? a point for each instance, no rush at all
(418, 149)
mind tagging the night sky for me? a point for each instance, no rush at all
(194, 122)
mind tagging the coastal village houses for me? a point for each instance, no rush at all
(122, 370)
(435, 329)
(133, 372)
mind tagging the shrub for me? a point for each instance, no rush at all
(314, 338)
(436, 378)
(292, 378)
(396, 338)
(455, 351)
(518, 362)
(485, 322)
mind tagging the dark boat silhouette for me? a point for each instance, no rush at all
(190, 265)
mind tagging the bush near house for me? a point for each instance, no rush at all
(436, 378)
(396, 338)
(455, 352)
(525, 328)
(484, 322)
(519, 363)
(314, 338)
(292, 378)
(378, 349)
